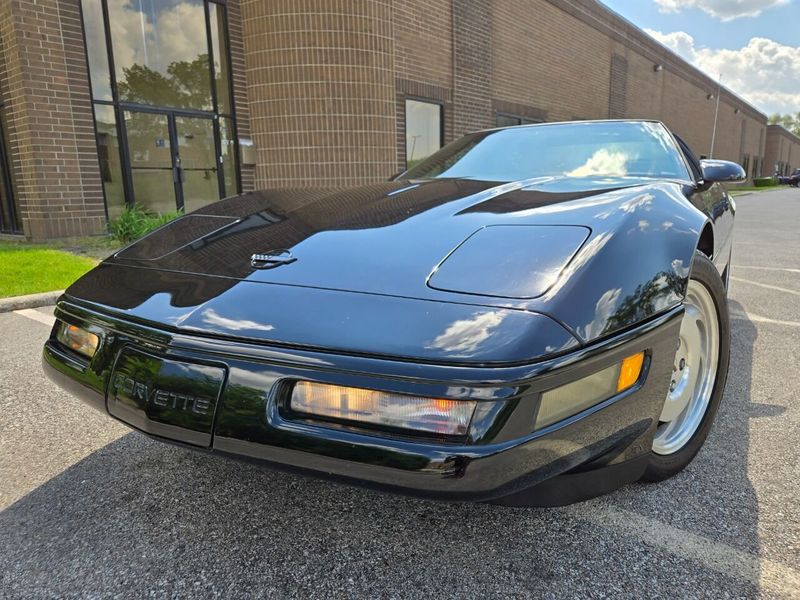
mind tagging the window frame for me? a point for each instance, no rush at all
(15, 227)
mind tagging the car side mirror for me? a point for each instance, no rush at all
(721, 171)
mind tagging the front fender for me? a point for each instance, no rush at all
(635, 264)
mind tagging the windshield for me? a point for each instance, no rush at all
(591, 149)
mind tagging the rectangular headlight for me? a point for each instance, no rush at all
(570, 399)
(433, 415)
(77, 339)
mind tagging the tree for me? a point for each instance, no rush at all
(790, 122)
(186, 84)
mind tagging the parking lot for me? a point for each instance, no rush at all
(90, 509)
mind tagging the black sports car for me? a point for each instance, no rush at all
(532, 315)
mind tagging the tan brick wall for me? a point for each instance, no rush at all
(781, 146)
(321, 87)
(547, 59)
(239, 84)
(423, 46)
(50, 125)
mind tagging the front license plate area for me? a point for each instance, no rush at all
(165, 397)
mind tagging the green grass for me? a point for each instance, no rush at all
(747, 189)
(27, 269)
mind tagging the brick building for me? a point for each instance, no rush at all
(782, 151)
(175, 103)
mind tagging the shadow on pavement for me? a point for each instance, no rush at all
(139, 517)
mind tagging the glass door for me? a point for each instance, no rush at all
(154, 176)
(172, 160)
(196, 157)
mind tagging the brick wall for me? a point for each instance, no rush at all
(239, 84)
(51, 129)
(321, 86)
(472, 65)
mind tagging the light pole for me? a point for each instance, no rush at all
(716, 112)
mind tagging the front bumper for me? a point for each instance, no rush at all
(502, 457)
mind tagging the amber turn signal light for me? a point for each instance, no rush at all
(629, 371)
(563, 402)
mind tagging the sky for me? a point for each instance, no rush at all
(754, 44)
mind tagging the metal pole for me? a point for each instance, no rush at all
(716, 112)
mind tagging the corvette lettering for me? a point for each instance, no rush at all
(137, 390)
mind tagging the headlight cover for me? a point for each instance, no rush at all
(358, 405)
(77, 339)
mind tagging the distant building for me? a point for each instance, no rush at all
(174, 104)
(782, 152)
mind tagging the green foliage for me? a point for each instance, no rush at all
(186, 84)
(135, 221)
(791, 122)
(765, 181)
(28, 269)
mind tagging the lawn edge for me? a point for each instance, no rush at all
(29, 301)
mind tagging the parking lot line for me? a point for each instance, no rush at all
(766, 285)
(772, 576)
(747, 316)
(785, 269)
(35, 315)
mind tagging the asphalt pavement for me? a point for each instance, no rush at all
(90, 509)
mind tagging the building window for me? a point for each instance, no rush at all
(163, 101)
(9, 215)
(423, 130)
(509, 120)
(746, 163)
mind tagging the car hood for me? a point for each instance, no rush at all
(385, 238)
(417, 269)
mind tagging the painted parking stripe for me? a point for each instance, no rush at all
(746, 316)
(771, 576)
(784, 269)
(35, 315)
(766, 285)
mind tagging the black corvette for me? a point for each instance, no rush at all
(532, 315)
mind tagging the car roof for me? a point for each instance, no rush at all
(573, 122)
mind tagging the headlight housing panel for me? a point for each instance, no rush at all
(77, 339)
(364, 407)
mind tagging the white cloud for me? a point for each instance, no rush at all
(763, 72)
(464, 336)
(157, 38)
(724, 10)
(602, 162)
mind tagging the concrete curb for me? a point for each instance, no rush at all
(31, 301)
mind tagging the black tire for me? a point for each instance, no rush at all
(661, 467)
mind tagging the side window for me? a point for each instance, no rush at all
(691, 158)
(423, 130)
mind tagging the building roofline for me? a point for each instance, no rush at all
(785, 132)
(604, 19)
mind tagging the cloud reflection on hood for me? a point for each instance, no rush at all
(465, 335)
